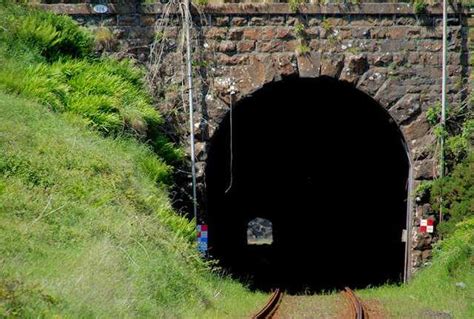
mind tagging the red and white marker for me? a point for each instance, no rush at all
(426, 225)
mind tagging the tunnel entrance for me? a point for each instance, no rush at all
(328, 166)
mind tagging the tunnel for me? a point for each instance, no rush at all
(327, 168)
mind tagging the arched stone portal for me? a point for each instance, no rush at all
(328, 166)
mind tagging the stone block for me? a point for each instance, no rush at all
(246, 46)
(236, 33)
(216, 33)
(128, 20)
(251, 34)
(416, 129)
(371, 81)
(425, 169)
(270, 46)
(239, 21)
(221, 21)
(332, 65)
(406, 109)
(390, 92)
(227, 47)
(237, 59)
(257, 21)
(267, 33)
(355, 66)
(309, 65)
(284, 63)
(277, 20)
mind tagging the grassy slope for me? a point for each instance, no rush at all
(86, 227)
(446, 286)
(83, 228)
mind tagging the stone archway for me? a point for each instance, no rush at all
(328, 165)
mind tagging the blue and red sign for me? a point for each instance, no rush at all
(202, 238)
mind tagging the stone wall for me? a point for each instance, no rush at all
(385, 50)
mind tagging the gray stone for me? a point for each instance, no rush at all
(355, 66)
(371, 81)
(406, 109)
(390, 92)
(332, 65)
(309, 65)
(425, 169)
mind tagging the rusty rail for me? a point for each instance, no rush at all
(271, 306)
(358, 310)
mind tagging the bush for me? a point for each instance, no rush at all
(457, 192)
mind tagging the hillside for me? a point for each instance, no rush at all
(86, 224)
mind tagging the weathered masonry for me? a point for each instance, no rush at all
(328, 135)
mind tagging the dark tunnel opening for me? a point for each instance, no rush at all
(327, 166)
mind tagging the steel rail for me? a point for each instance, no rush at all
(270, 308)
(358, 309)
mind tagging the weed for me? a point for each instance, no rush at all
(294, 5)
(302, 49)
(420, 6)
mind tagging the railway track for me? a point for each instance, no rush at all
(357, 309)
(271, 307)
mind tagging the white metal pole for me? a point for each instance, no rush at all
(191, 106)
(443, 98)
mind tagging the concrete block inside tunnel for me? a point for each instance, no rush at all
(328, 167)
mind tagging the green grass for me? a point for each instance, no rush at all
(48, 58)
(446, 286)
(87, 231)
(86, 225)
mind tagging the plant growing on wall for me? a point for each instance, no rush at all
(300, 33)
(294, 5)
(419, 6)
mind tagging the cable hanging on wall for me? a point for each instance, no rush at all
(231, 142)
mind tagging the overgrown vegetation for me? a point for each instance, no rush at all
(443, 290)
(86, 225)
(453, 194)
(457, 194)
(48, 58)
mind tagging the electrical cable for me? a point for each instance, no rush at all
(231, 146)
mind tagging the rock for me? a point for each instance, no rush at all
(416, 258)
(239, 21)
(390, 92)
(372, 80)
(227, 46)
(384, 59)
(222, 21)
(461, 285)
(332, 65)
(416, 129)
(200, 151)
(424, 170)
(309, 65)
(406, 109)
(285, 63)
(236, 34)
(355, 66)
(251, 34)
(426, 254)
(246, 46)
(259, 71)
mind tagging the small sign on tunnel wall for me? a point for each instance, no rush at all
(426, 226)
(202, 238)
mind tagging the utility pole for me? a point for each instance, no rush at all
(188, 17)
(443, 99)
